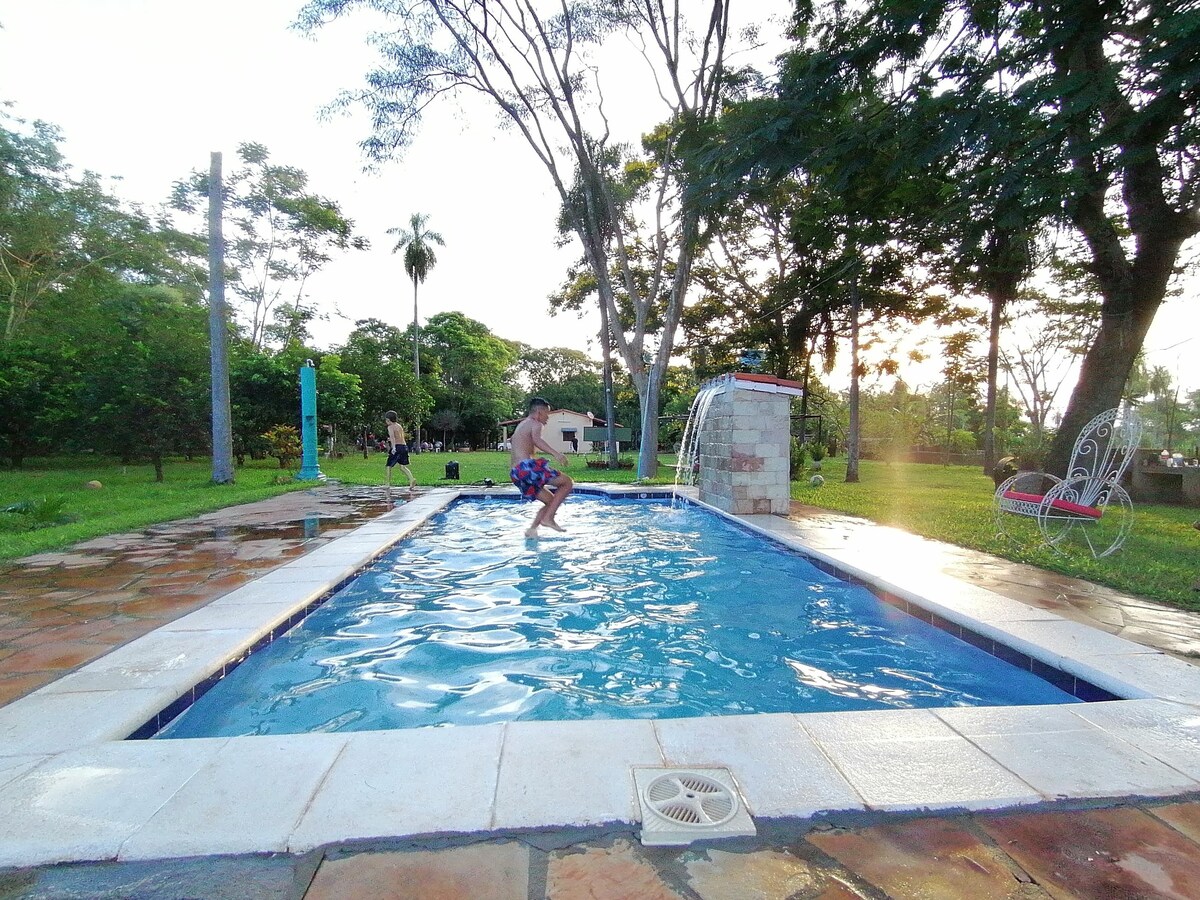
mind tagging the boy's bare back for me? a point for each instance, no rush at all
(522, 440)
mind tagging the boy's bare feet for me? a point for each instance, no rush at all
(531, 531)
(550, 523)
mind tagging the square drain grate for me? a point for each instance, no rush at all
(681, 805)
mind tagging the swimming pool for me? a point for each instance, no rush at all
(80, 789)
(642, 611)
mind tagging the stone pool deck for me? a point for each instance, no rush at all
(61, 611)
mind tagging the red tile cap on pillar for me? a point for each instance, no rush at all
(768, 379)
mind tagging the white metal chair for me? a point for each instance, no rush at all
(1089, 508)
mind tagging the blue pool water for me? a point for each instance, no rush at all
(642, 611)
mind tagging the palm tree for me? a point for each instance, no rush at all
(419, 258)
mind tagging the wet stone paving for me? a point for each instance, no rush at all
(59, 611)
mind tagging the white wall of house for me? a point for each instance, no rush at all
(564, 424)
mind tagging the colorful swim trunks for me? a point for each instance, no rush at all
(531, 475)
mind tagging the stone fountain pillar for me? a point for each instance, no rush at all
(745, 444)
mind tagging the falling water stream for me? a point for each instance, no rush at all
(689, 446)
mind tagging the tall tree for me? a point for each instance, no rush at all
(147, 392)
(760, 281)
(378, 354)
(538, 66)
(1045, 337)
(829, 129)
(1106, 93)
(58, 230)
(40, 386)
(566, 379)
(218, 330)
(417, 243)
(280, 234)
(475, 373)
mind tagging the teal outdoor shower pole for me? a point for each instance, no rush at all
(309, 470)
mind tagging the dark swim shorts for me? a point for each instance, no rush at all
(531, 475)
(399, 455)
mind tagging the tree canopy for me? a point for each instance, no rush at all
(278, 235)
(977, 123)
(537, 65)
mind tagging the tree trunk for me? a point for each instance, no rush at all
(990, 453)
(648, 457)
(157, 460)
(1008, 261)
(852, 437)
(416, 442)
(1158, 212)
(1103, 375)
(609, 403)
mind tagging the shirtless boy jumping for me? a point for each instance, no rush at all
(532, 474)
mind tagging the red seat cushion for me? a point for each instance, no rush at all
(1065, 505)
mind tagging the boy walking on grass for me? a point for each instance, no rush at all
(397, 449)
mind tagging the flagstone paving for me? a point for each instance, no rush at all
(59, 611)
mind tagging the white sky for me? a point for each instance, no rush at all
(145, 89)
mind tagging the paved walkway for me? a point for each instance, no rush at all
(1142, 621)
(58, 611)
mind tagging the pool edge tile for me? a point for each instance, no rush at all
(572, 773)
(383, 784)
(250, 796)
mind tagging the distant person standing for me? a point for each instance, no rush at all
(532, 474)
(397, 449)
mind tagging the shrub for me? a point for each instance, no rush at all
(798, 454)
(283, 442)
(37, 514)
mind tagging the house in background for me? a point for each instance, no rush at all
(563, 430)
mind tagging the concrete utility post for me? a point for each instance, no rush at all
(222, 428)
(310, 469)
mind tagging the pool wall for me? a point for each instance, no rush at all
(73, 789)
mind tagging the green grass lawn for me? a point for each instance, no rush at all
(130, 499)
(1160, 559)
(475, 466)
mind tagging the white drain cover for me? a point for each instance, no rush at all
(684, 805)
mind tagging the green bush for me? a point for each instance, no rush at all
(34, 514)
(798, 455)
(283, 443)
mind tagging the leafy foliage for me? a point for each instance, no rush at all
(380, 356)
(536, 66)
(38, 388)
(45, 512)
(60, 233)
(283, 443)
(279, 235)
(474, 368)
